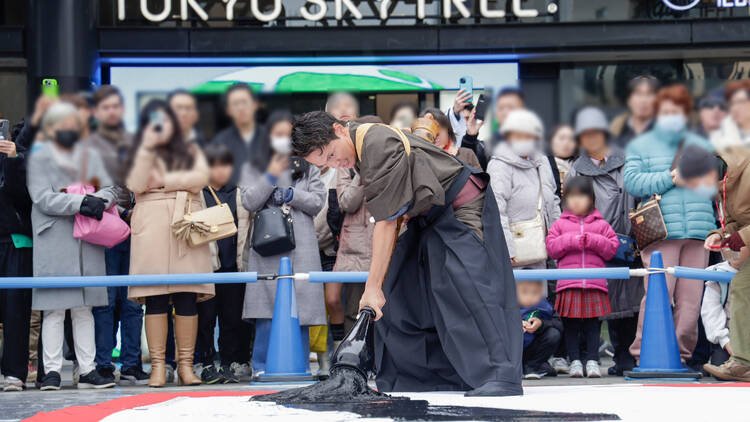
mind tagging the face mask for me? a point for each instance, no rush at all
(66, 138)
(281, 144)
(671, 122)
(706, 192)
(523, 148)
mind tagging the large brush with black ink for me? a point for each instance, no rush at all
(351, 363)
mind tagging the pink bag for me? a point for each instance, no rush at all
(109, 231)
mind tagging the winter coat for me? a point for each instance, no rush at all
(612, 200)
(355, 242)
(737, 208)
(728, 135)
(153, 247)
(15, 203)
(715, 307)
(113, 147)
(622, 132)
(586, 242)
(257, 152)
(542, 310)
(307, 201)
(648, 163)
(56, 251)
(515, 182)
(243, 219)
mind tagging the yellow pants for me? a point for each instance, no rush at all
(318, 338)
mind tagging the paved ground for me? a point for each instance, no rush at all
(17, 406)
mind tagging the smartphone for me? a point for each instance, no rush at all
(467, 84)
(4, 130)
(481, 107)
(50, 88)
(157, 118)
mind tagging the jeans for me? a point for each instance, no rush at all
(131, 315)
(262, 337)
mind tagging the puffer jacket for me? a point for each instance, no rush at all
(648, 162)
(582, 242)
(515, 182)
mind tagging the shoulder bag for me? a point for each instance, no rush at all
(529, 235)
(206, 225)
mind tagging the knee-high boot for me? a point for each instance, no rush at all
(156, 335)
(185, 332)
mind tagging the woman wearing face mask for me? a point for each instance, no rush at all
(650, 162)
(287, 182)
(521, 177)
(55, 165)
(167, 176)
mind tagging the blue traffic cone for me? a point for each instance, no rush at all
(286, 360)
(660, 354)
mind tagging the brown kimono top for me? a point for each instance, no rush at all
(393, 180)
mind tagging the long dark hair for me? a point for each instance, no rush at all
(176, 152)
(581, 185)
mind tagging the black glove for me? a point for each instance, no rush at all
(277, 197)
(299, 167)
(92, 207)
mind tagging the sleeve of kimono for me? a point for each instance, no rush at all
(604, 244)
(500, 180)
(256, 189)
(561, 243)
(350, 193)
(312, 199)
(42, 194)
(642, 183)
(139, 175)
(107, 191)
(713, 315)
(193, 180)
(385, 173)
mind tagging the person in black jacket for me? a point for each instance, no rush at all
(15, 261)
(245, 137)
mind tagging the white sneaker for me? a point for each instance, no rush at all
(532, 376)
(12, 384)
(559, 364)
(242, 371)
(592, 369)
(576, 369)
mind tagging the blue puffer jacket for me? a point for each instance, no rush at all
(647, 172)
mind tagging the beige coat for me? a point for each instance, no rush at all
(355, 242)
(154, 249)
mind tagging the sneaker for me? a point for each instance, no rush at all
(227, 375)
(170, 374)
(560, 365)
(51, 381)
(209, 375)
(106, 373)
(606, 349)
(546, 370)
(134, 376)
(13, 384)
(94, 379)
(592, 369)
(532, 376)
(242, 371)
(576, 369)
(731, 370)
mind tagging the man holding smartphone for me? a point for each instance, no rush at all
(15, 260)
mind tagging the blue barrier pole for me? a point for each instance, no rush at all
(124, 280)
(700, 274)
(552, 274)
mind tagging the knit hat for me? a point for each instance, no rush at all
(524, 121)
(591, 118)
(695, 161)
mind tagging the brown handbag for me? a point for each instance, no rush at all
(647, 220)
(648, 223)
(206, 225)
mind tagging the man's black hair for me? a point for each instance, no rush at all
(218, 154)
(179, 91)
(511, 90)
(312, 131)
(650, 80)
(239, 86)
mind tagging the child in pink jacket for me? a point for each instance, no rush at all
(581, 238)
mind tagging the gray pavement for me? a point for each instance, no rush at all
(17, 406)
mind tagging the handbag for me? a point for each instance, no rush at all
(273, 231)
(206, 225)
(627, 250)
(529, 235)
(647, 220)
(111, 230)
